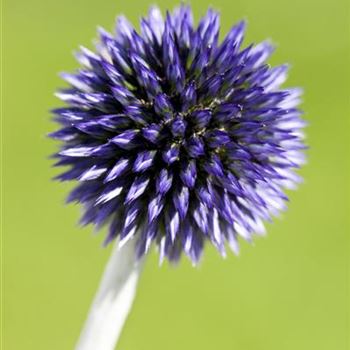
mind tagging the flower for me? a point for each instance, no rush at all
(177, 138)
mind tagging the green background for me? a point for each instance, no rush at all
(289, 291)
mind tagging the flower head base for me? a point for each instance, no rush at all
(177, 138)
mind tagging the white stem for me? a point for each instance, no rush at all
(113, 300)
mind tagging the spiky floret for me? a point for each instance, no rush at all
(177, 138)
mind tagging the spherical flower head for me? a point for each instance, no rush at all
(176, 138)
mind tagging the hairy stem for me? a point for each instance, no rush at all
(113, 300)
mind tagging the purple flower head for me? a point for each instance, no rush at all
(176, 138)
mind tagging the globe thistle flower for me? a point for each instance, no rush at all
(177, 138)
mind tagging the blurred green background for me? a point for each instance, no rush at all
(288, 291)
